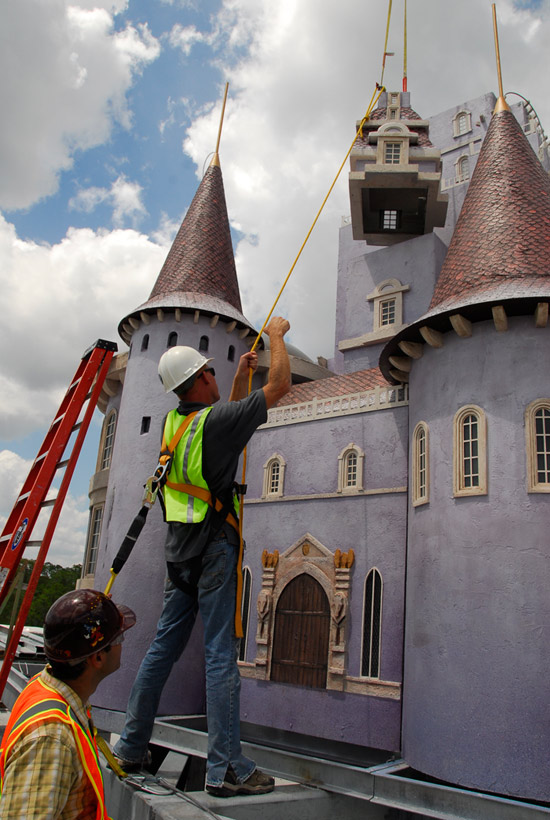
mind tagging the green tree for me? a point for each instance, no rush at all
(54, 581)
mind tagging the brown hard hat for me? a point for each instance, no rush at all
(83, 622)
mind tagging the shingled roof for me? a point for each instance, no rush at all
(201, 257)
(333, 386)
(501, 245)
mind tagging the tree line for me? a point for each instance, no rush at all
(54, 581)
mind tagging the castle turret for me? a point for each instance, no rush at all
(478, 558)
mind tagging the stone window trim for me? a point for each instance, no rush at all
(107, 441)
(352, 450)
(533, 411)
(420, 465)
(390, 289)
(462, 123)
(462, 169)
(274, 477)
(469, 452)
(376, 574)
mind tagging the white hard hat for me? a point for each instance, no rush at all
(178, 364)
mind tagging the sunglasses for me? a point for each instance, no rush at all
(210, 370)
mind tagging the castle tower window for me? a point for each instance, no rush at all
(420, 485)
(145, 342)
(470, 457)
(350, 469)
(372, 625)
(145, 425)
(274, 474)
(94, 534)
(389, 220)
(109, 428)
(387, 312)
(392, 153)
(245, 610)
(172, 339)
(231, 354)
(537, 432)
(203, 344)
(462, 169)
(388, 304)
(462, 123)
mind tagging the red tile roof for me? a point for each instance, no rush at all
(501, 245)
(334, 386)
(201, 257)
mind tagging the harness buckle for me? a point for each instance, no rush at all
(240, 489)
(151, 490)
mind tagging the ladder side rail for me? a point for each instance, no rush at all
(31, 506)
(50, 529)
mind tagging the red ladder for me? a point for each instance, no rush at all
(85, 387)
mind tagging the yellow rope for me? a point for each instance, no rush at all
(386, 43)
(359, 133)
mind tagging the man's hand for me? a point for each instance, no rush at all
(277, 326)
(248, 361)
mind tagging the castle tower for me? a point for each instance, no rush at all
(475, 709)
(195, 301)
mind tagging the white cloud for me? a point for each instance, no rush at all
(62, 298)
(185, 37)
(68, 543)
(69, 71)
(123, 196)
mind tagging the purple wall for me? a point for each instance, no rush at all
(475, 708)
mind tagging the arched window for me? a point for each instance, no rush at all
(145, 342)
(94, 534)
(372, 625)
(172, 339)
(462, 169)
(245, 610)
(231, 354)
(470, 451)
(462, 123)
(420, 471)
(350, 469)
(274, 475)
(537, 433)
(109, 427)
(203, 344)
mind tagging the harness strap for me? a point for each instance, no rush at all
(204, 495)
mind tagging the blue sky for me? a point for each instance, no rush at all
(110, 111)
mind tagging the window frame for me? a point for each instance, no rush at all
(389, 289)
(533, 483)
(461, 163)
(343, 486)
(95, 526)
(462, 116)
(420, 490)
(267, 492)
(106, 433)
(460, 487)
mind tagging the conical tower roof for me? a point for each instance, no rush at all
(199, 272)
(500, 251)
(501, 242)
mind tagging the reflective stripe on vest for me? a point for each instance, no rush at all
(40, 703)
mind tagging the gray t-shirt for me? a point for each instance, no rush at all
(227, 429)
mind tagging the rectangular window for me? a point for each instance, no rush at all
(274, 478)
(145, 425)
(95, 532)
(470, 452)
(389, 220)
(387, 312)
(351, 470)
(392, 153)
(109, 440)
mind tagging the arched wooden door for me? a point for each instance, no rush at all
(301, 634)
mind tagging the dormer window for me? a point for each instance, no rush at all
(462, 123)
(388, 304)
(392, 153)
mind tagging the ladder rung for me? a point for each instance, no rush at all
(22, 497)
(74, 384)
(62, 464)
(41, 457)
(77, 426)
(33, 544)
(6, 537)
(58, 419)
(49, 502)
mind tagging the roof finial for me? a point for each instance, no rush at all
(501, 104)
(216, 158)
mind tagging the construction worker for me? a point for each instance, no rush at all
(201, 552)
(49, 766)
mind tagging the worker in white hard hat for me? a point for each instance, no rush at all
(201, 552)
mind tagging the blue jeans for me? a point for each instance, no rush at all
(216, 602)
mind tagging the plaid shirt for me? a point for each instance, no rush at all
(44, 778)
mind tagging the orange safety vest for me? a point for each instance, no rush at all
(40, 703)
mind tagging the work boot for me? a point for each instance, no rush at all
(130, 766)
(257, 783)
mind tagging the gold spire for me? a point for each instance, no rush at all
(501, 104)
(216, 157)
